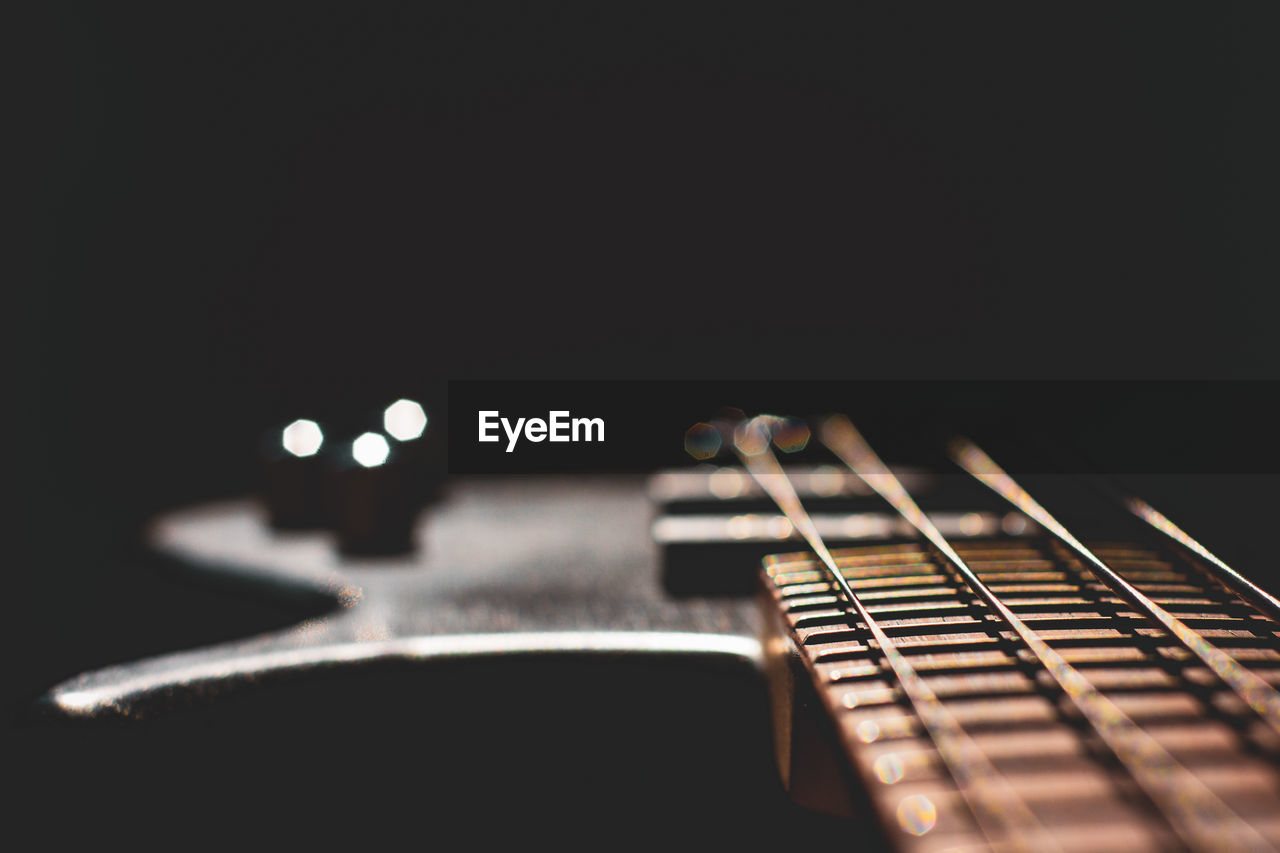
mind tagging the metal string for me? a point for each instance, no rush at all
(1001, 814)
(1238, 582)
(1256, 693)
(1197, 814)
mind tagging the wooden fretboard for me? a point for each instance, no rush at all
(1015, 713)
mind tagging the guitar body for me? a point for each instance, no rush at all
(522, 673)
(520, 566)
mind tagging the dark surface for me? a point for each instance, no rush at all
(575, 750)
(241, 215)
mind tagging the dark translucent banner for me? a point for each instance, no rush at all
(1031, 427)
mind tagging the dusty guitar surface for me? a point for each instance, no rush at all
(505, 566)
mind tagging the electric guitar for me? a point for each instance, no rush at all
(920, 660)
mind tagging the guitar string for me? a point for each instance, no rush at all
(1236, 581)
(1001, 814)
(1255, 692)
(1195, 812)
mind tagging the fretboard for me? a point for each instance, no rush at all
(1008, 705)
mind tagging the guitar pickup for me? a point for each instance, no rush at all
(713, 523)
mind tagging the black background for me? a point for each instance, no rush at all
(243, 213)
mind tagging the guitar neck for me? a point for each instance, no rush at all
(848, 735)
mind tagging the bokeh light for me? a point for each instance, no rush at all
(370, 449)
(302, 438)
(752, 437)
(790, 434)
(404, 420)
(917, 814)
(702, 441)
(889, 768)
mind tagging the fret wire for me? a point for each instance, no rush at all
(1194, 811)
(1000, 812)
(1256, 693)
(1228, 575)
